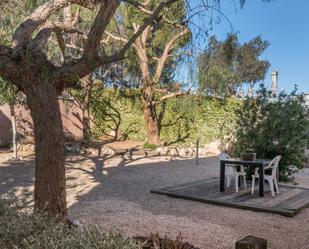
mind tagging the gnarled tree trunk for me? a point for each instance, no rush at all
(150, 116)
(49, 191)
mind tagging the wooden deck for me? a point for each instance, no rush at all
(289, 202)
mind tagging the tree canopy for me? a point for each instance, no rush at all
(226, 65)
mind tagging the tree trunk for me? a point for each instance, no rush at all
(13, 120)
(87, 86)
(49, 191)
(150, 116)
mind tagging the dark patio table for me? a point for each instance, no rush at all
(261, 163)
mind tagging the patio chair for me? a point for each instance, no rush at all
(237, 171)
(272, 178)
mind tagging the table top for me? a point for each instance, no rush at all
(257, 162)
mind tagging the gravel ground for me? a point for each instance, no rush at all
(115, 193)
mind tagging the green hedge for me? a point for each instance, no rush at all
(184, 118)
(269, 127)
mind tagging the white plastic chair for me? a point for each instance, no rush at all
(272, 179)
(234, 174)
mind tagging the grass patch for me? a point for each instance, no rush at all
(150, 146)
(21, 228)
(24, 229)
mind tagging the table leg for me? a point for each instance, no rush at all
(240, 181)
(261, 180)
(222, 176)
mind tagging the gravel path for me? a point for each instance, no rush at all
(115, 193)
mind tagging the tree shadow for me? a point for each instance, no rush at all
(108, 113)
(17, 178)
(130, 180)
(114, 191)
(96, 178)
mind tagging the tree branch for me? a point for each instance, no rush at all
(38, 17)
(143, 8)
(173, 95)
(155, 13)
(140, 48)
(58, 28)
(169, 96)
(165, 55)
(116, 37)
(103, 18)
(70, 72)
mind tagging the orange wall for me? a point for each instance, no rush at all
(71, 119)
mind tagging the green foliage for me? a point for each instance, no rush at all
(150, 146)
(118, 111)
(8, 93)
(225, 65)
(182, 120)
(159, 36)
(12, 14)
(23, 229)
(274, 127)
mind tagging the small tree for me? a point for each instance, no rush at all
(274, 127)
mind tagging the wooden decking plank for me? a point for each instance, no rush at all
(231, 196)
(289, 203)
(283, 212)
(257, 200)
(245, 199)
(298, 201)
(277, 199)
(188, 185)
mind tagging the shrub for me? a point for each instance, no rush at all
(274, 126)
(23, 229)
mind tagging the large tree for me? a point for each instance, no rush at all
(153, 56)
(25, 64)
(226, 65)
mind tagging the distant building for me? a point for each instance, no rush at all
(274, 82)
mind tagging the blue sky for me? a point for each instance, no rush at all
(285, 24)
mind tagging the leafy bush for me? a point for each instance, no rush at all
(22, 229)
(274, 126)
